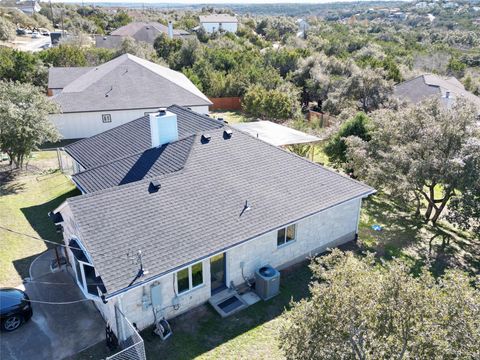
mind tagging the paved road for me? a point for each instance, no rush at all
(55, 331)
(25, 43)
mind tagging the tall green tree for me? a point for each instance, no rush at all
(24, 124)
(425, 152)
(336, 148)
(7, 29)
(361, 311)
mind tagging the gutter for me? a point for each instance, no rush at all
(156, 277)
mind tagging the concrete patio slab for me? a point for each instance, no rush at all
(56, 331)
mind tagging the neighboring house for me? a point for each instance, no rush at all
(303, 27)
(96, 99)
(178, 206)
(140, 31)
(28, 7)
(219, 22)
(429, 85)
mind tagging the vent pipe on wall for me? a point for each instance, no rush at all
(163, 127)
(170, 29)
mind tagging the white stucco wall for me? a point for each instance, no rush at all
(86, 124)
(314, 235)
(215, 26)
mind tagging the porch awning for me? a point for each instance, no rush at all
(275, 134)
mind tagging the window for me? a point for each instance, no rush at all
(286, 235)
(106, 118)
(84, 271)
(189, 278)
(183, 281)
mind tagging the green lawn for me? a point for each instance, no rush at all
(25, 199)
(231, 117)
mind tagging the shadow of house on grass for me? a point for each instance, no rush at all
(202, 329)
(38, 218)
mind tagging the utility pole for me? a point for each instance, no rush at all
(63, 28)
(51, 12)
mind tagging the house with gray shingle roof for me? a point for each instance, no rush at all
(96, 99)
(422, 87)
(190, 209)
(218, 22)
(139, 31)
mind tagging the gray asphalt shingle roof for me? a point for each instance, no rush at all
(133, 138)
(128, 82)
(428, 85)
(197, 211)
(148, 32)
(59, 77)
(145, 165)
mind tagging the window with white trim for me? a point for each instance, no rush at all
(190, 278)
(84, 271)
(286, 235)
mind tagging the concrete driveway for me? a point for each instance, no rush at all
(54, 331)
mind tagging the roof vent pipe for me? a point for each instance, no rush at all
(163, 128)
(447, 94)
(170, 29)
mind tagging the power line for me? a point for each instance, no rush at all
(50, 302)
(33, 237)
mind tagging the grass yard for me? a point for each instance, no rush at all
(232, 117)
(25, 199)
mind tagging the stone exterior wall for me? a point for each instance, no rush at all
(314, 234)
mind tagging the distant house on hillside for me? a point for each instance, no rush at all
(429, 85)
(303, 27)
(140, 31)
(28, 7)
(219, 22)
(95, 99)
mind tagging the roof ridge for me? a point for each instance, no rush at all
(134, 154)
(303, 158)
(139, 61)
(119, 59)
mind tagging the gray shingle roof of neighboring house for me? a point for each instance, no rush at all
(59, 77)
(148, 32)
(108, 41)
(140, 31)
(133, 138)
(148, 164)
(128, 82)
(198, 210)
(428, 85)
(218, 18)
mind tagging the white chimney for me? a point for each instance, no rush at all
(163, 127)
(170, 29)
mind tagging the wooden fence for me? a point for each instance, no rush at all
(324, 119)
(226, 103)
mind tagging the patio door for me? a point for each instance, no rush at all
(217, 273)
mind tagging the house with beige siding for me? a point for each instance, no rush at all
(178, 209)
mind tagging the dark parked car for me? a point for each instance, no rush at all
(15, 308)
